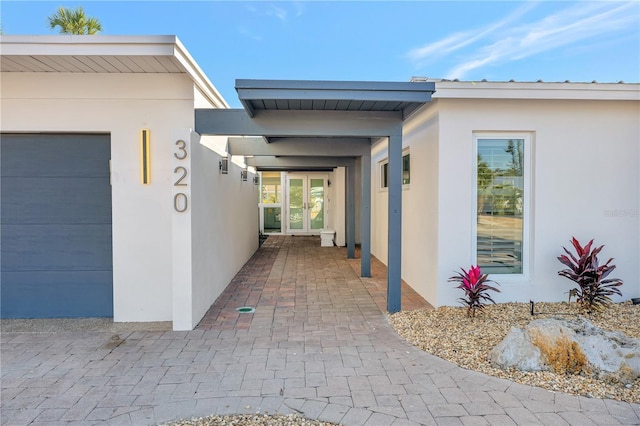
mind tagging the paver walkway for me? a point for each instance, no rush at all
(317, 344)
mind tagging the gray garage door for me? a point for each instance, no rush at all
(55, 216)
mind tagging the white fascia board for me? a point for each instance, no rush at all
(198, 76)
(537, 90)
(91, 45)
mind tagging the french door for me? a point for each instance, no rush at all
(306, 206)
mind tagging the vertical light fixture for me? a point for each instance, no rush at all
(244, 173)
(145, 156)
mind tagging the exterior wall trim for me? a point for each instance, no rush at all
(537, 90)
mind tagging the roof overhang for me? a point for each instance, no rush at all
(302, 95)
(104, 54)
(291, 120)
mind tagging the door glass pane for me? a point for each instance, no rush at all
(500, 183)
(316, 205)
(296, 200)
(272, 220)
(270, 187)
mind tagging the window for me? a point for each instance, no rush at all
(406, 163)
(271, 189)
(384, 174)
(501, 210)
(406, 170)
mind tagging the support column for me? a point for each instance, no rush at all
(181, 232)
(365, 217)
(351, 212)
(394, 261)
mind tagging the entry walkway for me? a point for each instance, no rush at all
(290, 279)
(317, 344)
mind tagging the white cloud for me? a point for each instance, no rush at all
(299, 7)
(564, 28)
(278, 12)
(248, 33)
(271, 10)
(517, 39)
(440, 47)
(429, 52)
(250, 8)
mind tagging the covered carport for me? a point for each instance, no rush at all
(310, 125)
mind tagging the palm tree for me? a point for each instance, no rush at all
(74, 21)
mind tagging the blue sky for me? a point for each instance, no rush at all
(377, 41)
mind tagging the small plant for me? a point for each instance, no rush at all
(474, 284)
(584, 269)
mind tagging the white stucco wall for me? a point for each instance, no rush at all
(584, 166)
(585, 182)
(338, 192)
(379, 203)
(121, 105)
(419, 204)
(224, 225)
(420, 216)
(220, 232)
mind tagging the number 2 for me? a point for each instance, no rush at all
(181, 178)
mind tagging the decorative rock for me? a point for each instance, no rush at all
(569, 346)
(517, 351)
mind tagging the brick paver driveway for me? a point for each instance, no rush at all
(317, 344)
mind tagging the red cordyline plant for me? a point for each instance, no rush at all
(584, 269)
(474, 284)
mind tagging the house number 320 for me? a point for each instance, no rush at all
(180, 199)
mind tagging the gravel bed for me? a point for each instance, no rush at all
(448, 333)
(250, 420)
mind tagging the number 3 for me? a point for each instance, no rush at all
(182, 147)
(181, 200)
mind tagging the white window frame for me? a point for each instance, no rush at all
(527, 199)
(381, 165)
(262, 206)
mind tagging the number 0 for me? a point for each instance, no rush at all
(180, 202)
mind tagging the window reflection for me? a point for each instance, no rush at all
(271, 187)
(500, 225)
(406, 171)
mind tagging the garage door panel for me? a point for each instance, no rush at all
(50, 294)
(56, 232)
(56, 247)
(55, 155)
(56, 200)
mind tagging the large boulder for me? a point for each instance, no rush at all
(569, 346)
